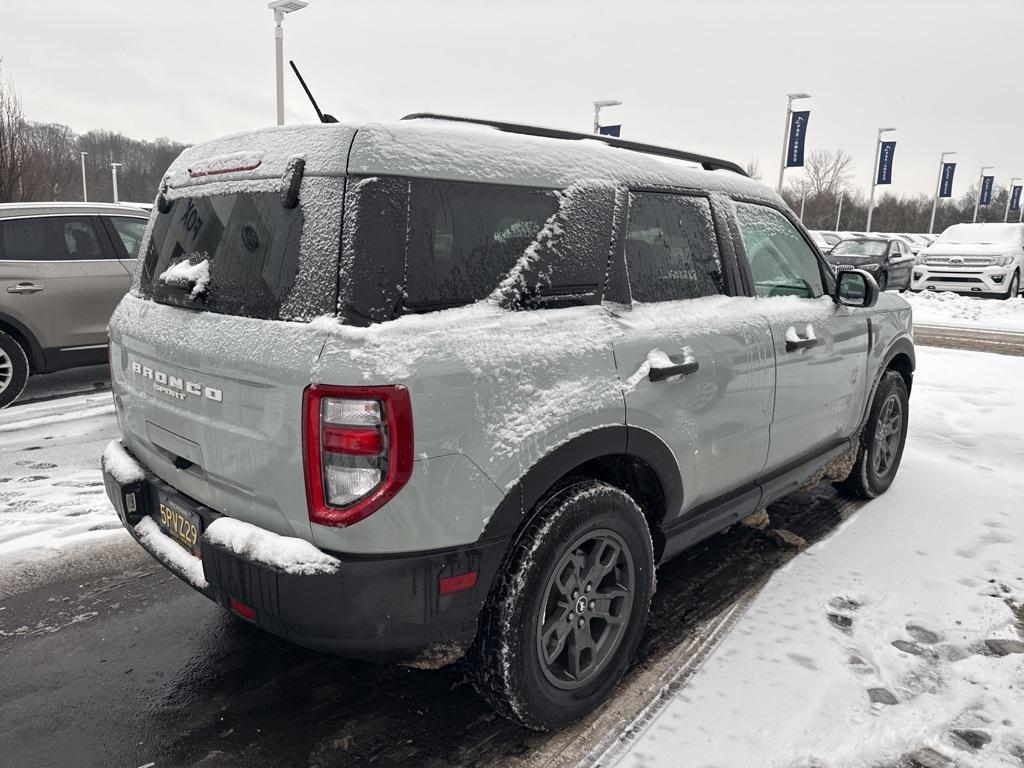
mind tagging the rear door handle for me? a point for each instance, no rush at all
(683, 366)
(25, 288)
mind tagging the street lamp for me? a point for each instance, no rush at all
(1009, 194)
(85, 191)
(938, 188)
(280, 8)
(981, 183)
(839, 213)
(598, 105)
(113, 177)
(785, 131)
(874, 174)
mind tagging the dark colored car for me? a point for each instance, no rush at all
(888, 259)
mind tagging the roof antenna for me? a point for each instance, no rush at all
(324, 118)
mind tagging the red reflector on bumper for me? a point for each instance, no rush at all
(450, 584)
(240, 609)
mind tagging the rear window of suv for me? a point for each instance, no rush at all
(234, 254)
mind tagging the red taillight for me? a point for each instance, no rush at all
(353, 441)
(241, 609)
(357, 450)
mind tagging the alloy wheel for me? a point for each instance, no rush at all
(589, 599)
(6, 370)
(888, 432)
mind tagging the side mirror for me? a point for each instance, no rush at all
(856, 288)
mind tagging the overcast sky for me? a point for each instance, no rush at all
(709, 76)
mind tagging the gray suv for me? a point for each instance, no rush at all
(434, 389)
(63, 269)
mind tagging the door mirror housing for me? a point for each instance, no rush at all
(856, 288)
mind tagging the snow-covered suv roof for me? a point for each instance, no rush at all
(450, 150)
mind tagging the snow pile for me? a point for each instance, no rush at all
(951, 309)
(286, 553)
(896, 635)
(170, 553)
(183, 274)
(121, 465)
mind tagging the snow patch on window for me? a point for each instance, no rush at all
(286, 553)
(183, 274)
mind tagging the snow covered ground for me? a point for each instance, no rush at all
(884, 640)
(951, 309)
(51, 490)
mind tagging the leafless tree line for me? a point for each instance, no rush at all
(42, 161)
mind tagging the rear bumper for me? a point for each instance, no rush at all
(986, 281)
(386, 609)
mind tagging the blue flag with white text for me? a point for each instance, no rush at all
(946, 185)
(609, 130)
(797, 135)
(885, 162)
(986, 189)
(1015, 198)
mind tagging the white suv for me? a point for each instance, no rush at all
(975, 259)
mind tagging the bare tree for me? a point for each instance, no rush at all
(13, 145)
(827, 171)
(50, 162)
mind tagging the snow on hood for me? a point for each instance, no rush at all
(970, 249)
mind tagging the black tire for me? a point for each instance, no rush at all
(13, 370)
(881, 441)
(883, 282)
(507, 664)
(1014, 288)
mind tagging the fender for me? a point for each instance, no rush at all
(902, 344)
(614, 440)
(35, 351)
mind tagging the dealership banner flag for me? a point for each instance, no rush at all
(610, 130)
(946, 187)
(1015, 198)
(797, 134)
(885, 162)
(986, 189)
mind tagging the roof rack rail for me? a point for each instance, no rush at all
(707, 163)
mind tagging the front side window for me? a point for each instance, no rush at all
(781, 261)
(51, 238)
(671, 248)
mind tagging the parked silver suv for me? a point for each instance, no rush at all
(63, 269)
(417, 390)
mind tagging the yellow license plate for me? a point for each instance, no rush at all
(182, 525)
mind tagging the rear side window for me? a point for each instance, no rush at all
(233, 254)
(130, 231)
(52, 238)
(419, 245)
(781, 261)
(671, 248)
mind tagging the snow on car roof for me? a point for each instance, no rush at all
(449, 150)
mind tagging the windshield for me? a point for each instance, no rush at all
(861, 248)
(232, 254)
(982, 234)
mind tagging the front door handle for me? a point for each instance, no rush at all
(796, 342)
(25, 288)
(682, 366)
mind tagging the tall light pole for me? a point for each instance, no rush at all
(938, 188)
(598, 106)
(839, 213)
(1014, 180)
(785, 132)
(280, 8)
(113, 178)
(981, 183)
(874, 175)
(803, 198)
(85, 190)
